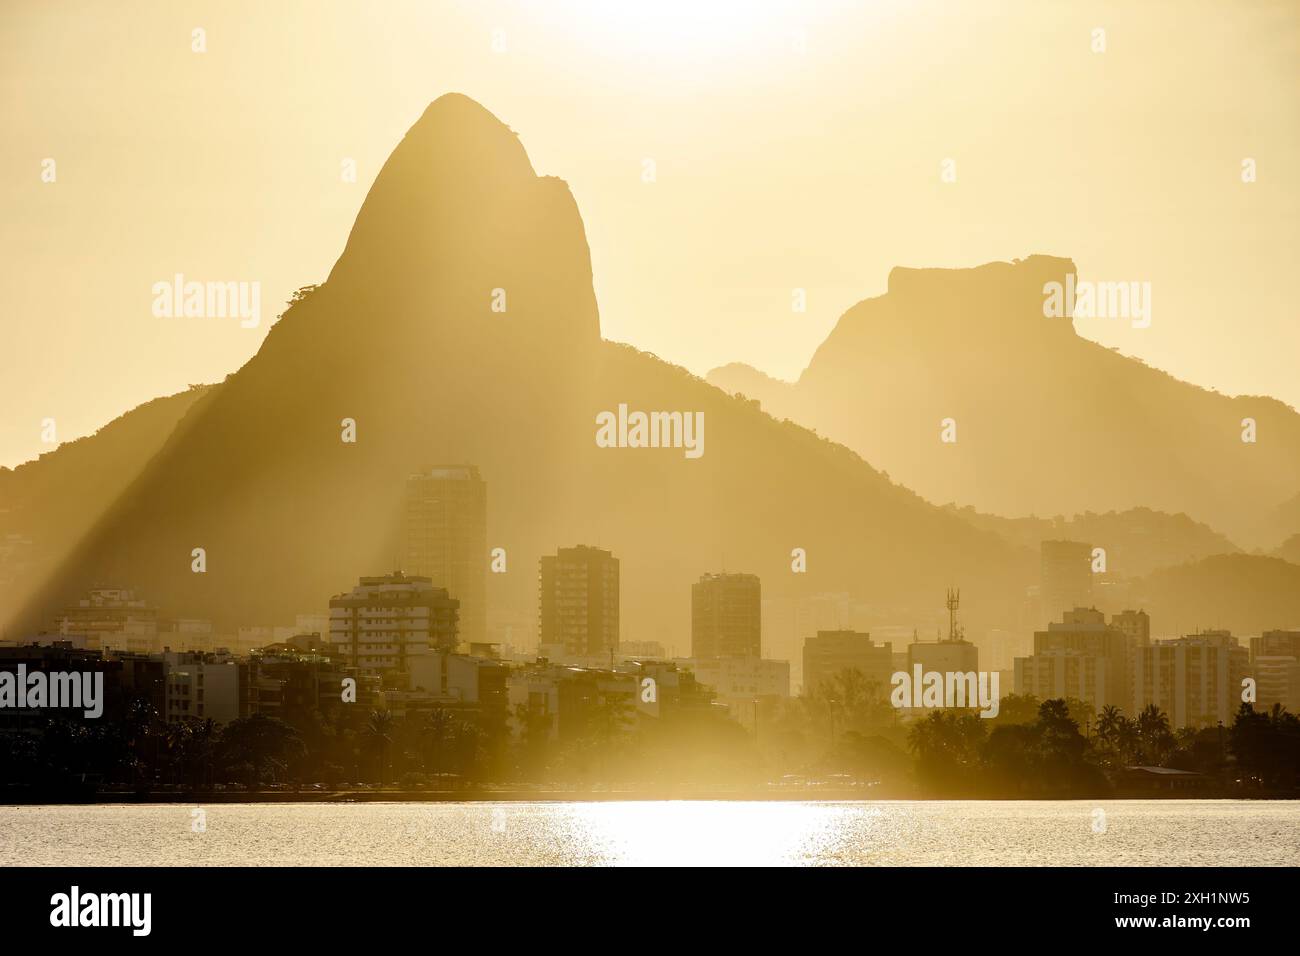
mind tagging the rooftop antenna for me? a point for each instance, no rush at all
(954, 598)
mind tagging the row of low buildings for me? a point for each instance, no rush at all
(112, 619)
(184, 685)
(402, 628)
(832, 652)
(307, 674)
(1198, 679)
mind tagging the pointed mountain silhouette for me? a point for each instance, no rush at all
(1047, 422)
(403, 339)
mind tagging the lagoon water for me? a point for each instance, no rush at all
(660, 833)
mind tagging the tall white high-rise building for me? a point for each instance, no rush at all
(394, 626)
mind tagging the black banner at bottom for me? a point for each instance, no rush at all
(215, 906)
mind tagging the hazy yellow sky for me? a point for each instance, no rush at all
(795, 145)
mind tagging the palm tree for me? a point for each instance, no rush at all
(947, 747)
(438, 731)
(534, 734)
(260, 742)
(851, 688)
(1153, 729)
(610, 718)
(1126, 739)
(379, 729)
(139, 732)
(816, 705)
(1108, 724)
(202, 744)
(175, 739)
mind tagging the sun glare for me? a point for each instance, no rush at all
(690, 833)
(684, 29)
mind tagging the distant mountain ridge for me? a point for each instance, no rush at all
(1047, 422)
(1136, 542)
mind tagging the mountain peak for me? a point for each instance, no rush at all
(1032, 271)
(455, 127)
(458, 229)
(455, 162)
(458, 105)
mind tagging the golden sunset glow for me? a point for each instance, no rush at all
(670, 434)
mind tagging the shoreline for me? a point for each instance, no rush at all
(837, 795)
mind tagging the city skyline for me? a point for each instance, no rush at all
(1105, 665)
